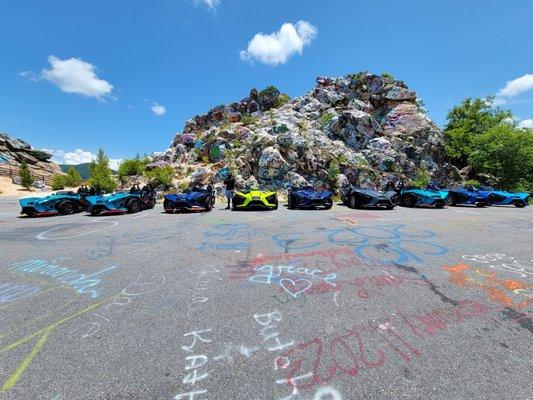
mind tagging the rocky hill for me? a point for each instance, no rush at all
(363, 128)
(15, 151)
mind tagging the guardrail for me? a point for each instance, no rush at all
(11, 171)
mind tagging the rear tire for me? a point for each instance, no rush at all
(95, 212)
(133, 206)
(519, 204)
(276, 204)
(290, 203)
(408, 201)
(208, 204)
(66, 207)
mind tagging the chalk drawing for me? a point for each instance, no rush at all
(72, 277)
(11, 292)
(46, 234)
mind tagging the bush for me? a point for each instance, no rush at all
(101, 175)
(333, 173)
(73, 178)
(134, 167)
(387, 75)
(25, 176)
(161, 176)
(422, 178)
(58, 182)
(326, 118)
(472, 182)
(247, 119)
(282, 99)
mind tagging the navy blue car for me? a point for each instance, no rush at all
(308, 197)
(464, 196)
(504, 198)
(194, 199)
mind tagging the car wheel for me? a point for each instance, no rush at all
(353, 202)
(276, 203)
(133, 206)
(390, 207)
(66, 207)
(453, 200)
(208, 204)
(519, 204)
(328, 206)
(290, 203)
(439, 205)
(409, 201)
(95, 211)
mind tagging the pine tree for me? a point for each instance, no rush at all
(25, 176)
(101, 175)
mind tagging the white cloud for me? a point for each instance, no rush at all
(514, 88)
(79, 156)
(526, 123)
(73, 75)
(211, 4)
(30, 75)
(158, 109)
(276, 48)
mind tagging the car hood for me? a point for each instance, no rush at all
(425, 193)
(29, 201)
(185, 196)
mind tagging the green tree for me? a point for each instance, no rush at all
(133, 167)
(100, 174)
(58, 182)
(464, 122)
(422, 178)
(73, 178)
(25, 176)
(161, 176)
(507, 153)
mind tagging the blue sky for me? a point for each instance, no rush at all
(116, 60)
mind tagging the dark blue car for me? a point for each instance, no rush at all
(356, 197)
(308, 197)
(464, 196)
(194, 199)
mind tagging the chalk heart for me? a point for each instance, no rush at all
(294, 288)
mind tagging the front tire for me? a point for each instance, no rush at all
(66, 207)
(353, 202)
(133, 206)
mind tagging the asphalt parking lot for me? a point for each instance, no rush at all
(315, 305)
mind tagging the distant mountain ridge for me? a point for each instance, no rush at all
(83, 169)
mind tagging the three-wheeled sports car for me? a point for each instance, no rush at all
(193, 199)
(413, 196)
(130, 202)
(356, 197)
(308, 197)
(504, 198)
(254, 199)
(59, 203)
(463, 196)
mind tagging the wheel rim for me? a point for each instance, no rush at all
(353, 203)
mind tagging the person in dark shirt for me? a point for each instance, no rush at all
(230, 188)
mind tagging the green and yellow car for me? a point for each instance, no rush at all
(255, 199)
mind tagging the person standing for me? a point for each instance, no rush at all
(230, 188)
